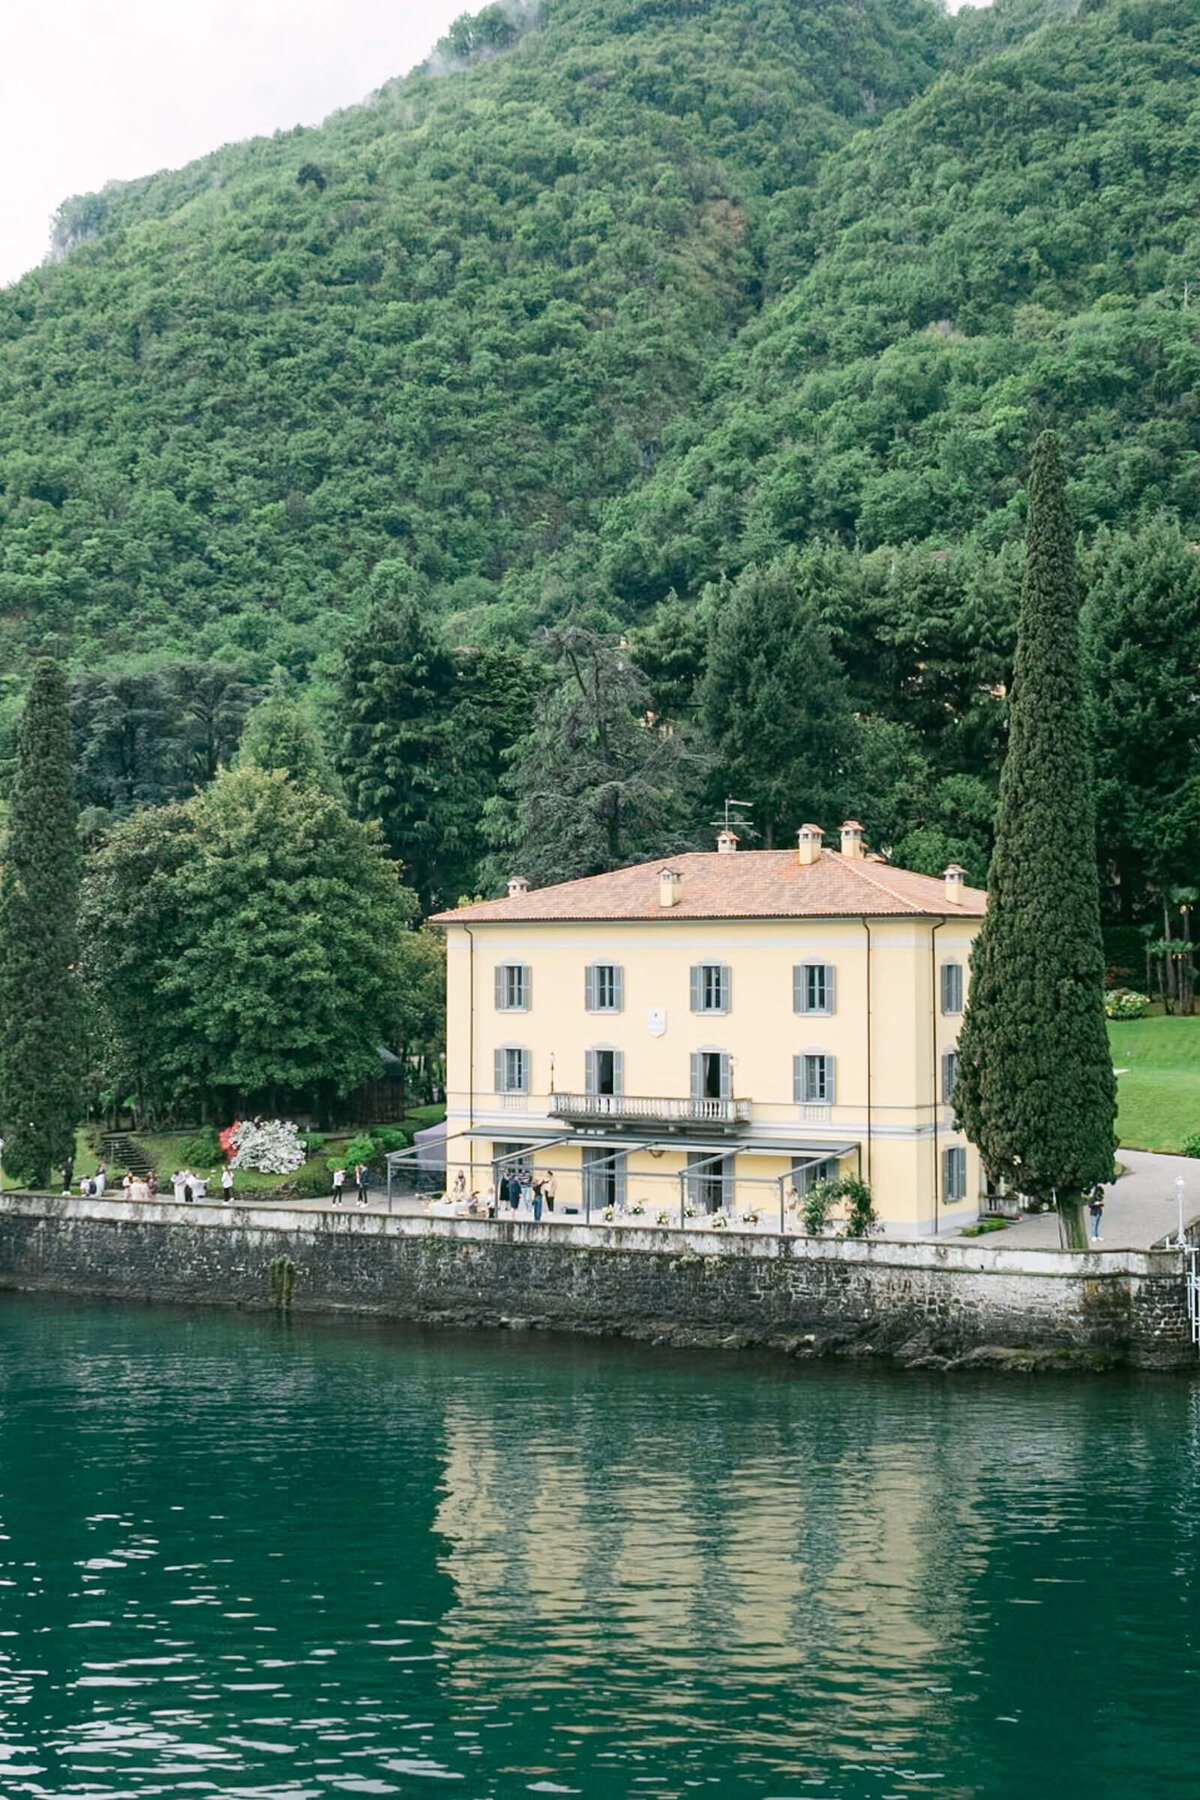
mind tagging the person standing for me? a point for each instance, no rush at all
(227, 1184)
(339, 1182)
(549, 1189)
(178, 1180)
(1096, 1209)
(67, 1171)
(535, 1190)
(101, 1181)
(189, 1190)
(361, 1174)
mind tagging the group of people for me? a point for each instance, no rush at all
(514, 1189)
(362, 1174)
(186, 1187)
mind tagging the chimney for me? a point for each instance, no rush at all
(808, 844)
(517, 884)
(669, 884)
(852, 838)
(726, 843)
(954, 878)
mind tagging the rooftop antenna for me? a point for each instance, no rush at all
(731, 817)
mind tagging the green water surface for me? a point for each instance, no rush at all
(245, 1558)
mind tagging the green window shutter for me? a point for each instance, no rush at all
(696, 979)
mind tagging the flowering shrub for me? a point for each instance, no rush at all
(274, 1147)
(1125, 1003)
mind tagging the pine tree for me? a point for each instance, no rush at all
(395, 731)
(774, 703)
(39, 905)
(1036, 1090)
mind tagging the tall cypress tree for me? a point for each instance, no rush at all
(39, 905)
(1035, 1089)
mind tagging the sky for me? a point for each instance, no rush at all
(103, 90)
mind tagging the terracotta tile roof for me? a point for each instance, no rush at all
(750, 884)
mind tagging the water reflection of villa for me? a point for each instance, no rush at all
(716, 1034)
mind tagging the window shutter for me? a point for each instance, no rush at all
(523, 1065)
(589, 1072)
(619, 1181)
(830, 988)
(949, 1075)
(499, 1071)
(697, 1074)
(951, 987)
(696, 978)
(726, 988)
(726, 1077)
(618, 1071)
(799, 991)
(500, 985)
(798, 1080)
(589, 987)
(525, 976)
(831, 1081)
(726, 1168)
(618, 976)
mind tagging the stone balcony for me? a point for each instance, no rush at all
(670, 1112)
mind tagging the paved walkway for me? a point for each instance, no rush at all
(1140, 1209)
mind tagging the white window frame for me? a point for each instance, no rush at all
(504, 1066)
(599, 976)
(954, 1173)
(804, 981)
(952, 989)
(708, 980)
(507, 987)
(804, 1071)
(949, 1076)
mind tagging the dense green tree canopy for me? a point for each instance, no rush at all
(243, 941)
(40, 1029)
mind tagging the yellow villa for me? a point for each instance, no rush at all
(712, 1034)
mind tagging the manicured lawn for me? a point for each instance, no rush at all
(1159, 1097)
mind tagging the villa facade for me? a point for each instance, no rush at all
(715, 1033)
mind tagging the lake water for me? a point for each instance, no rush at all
(246, 1558)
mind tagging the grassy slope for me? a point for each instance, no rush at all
(1160, 1095)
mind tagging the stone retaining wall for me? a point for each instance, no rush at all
(922, 1303)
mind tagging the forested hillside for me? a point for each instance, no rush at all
(448, 325)
(726, 325)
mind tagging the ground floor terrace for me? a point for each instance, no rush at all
(665, 1181)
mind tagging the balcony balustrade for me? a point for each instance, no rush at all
(645, 1109)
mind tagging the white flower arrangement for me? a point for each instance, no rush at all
(719, 1222)
(663, 1218)
(609, 1214)
(637, 1209)
(751, 1216)
(273, 1147)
